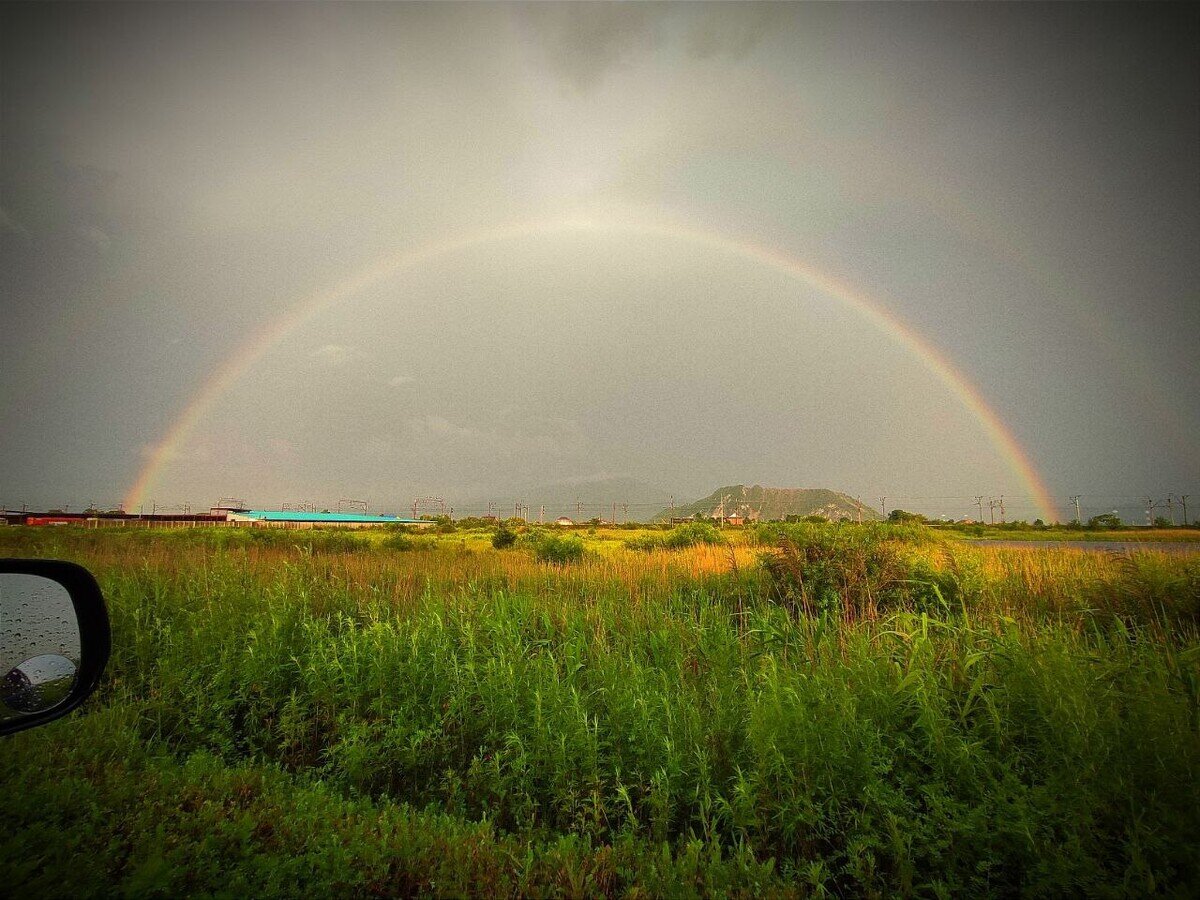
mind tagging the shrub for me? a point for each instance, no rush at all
(677, 538)
(503, 537)
(854, 573)
(646, 542)
(398, 541)
(692, 534)
(559, 549)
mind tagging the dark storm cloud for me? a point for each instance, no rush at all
(1020, 183)
(582, 42)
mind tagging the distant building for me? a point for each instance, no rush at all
(564, 521)
(224, 512)
(300, 519)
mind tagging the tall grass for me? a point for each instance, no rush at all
(621, 722)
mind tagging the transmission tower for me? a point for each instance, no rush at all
(430, 503)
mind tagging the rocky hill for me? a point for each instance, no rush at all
(777, 503)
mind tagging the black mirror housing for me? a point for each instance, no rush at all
(28, 591)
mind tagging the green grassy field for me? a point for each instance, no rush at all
(801, 711)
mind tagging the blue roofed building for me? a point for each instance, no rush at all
(288, 518)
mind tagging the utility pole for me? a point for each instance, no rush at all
(1075, 500)
(1183, 499)
(883, 506)
(719, 512)
(1149, 511)
(1002, 520)
(625, 512)
(979, 503)
(542, 514)
(614, 514)
(578, 510)
(1171, 508)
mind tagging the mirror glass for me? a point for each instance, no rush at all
(39, 644)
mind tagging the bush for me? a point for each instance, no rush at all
(646, 542)
(691, 535)
(677, 538)
(398, 541)
(503, 537)
(853, 573)
(335, 542)
(559, 549)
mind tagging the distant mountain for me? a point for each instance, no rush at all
(596, 494)
(776, 503)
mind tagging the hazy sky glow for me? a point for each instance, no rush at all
(1019, 185)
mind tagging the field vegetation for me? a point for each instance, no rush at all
(788, 710)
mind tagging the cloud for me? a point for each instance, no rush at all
(439, 426)
(96, 236)
(583, 41)
(401, 380)
(546, 436)
(8, 223)
(334, 354)
(731, 30)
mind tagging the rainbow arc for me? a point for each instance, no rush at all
(412, 258)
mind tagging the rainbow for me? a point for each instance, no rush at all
(412, 258)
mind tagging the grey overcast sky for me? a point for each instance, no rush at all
(1018, 184)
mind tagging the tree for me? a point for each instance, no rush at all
(902, 516)
(1105, 520)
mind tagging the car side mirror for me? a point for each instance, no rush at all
(54, 640)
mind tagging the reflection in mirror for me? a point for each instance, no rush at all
(39, 683)
(39, 644)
